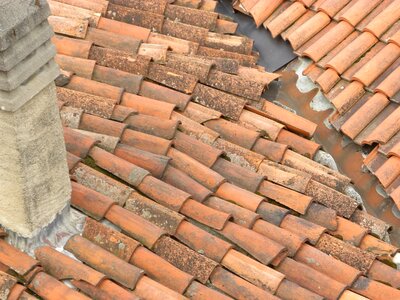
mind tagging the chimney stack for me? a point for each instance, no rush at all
(34, 180)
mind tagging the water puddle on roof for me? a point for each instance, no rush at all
(347, 155)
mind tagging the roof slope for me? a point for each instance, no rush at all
(355, 49)
(194, 186)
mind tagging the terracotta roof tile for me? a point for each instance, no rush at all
(154, 163)
(130, 82)
(253, 271)
(95, 105)
(72, 47)
(245, 60)
(327, 264)
(268, 127)
(145, 141)
(225, 26)
(239, 196)
(231, 43)
(209, 178)
(328, 79)
(157, 92)
(122, 28)
(383, 273)
(374, 289)
(348, 97)
(89, 290)
(357, 11)
(63, 267)
(48, 287)
(395, 38)
(185, 183)
(390, 86)
(263, 9)
(95, 88)
(148, 106)
(378, 64)
(292, 291)
(378, 247)
(285, 19)
(98, 7)
(349, 232)
(70, 27)
(116, 290)
(123, 61)
(270, 252)
(175, 44)
(271, 150)
(386, 129)
(237, 287)
(69, 11)
(184, 258)
(79, 66)
(300, 21)
(303, 228)
(311, 279)
(301, 145)
(134, 16)
(322, 215)
(284, 237)
(198, 291)
(384, 20)
(77, 143)
(193, 65)
(364, 115)
(241, 216)
(238, 175)
(192, 16)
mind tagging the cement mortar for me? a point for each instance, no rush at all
(34, 180)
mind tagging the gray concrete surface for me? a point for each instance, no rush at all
(34, 180)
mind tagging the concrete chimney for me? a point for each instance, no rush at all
(34, 180)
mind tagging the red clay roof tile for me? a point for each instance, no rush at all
(284, 237)
(64, 267)
(202, 152)
(271, 150)
(268, 127)
(77, 143)
(92, 104)
(109, 239)
(116, 11)
(150, 289)
(182, 181)
(48, 287)
(130, 82)
(328, 79)
(80, 66)
(122, 28)
(349, 232)
(395, 38)
(259, 246)
(154, 163)
(70, 27)
(225, 26)
(238, 175)
(285, 196)
(239, 196)
(348, 97)
(378, 247)
(91, 291)
(308, 29)
(158, 53)
(253, 271)
(322, 215)
(205, 215)
(163, 193)
(241, 216)
(175, 44)
(145, 141)
(301, 145)
(231, 43)
(183, 31)
(381, 272)
(158, 92)
(72, 47)
(237, 287)
(185, 258)
(117, 291)
(300, 21)
(123, 61)
(390, 85)
(157, 214)
(327, 264)
(303, 228)
(285, 19)
(263, 9)
(191, 16)
(135, 226)
(197, 291)
(72, 161)
(357, 11)
(71, 11)
(378, 64)
(385, 130)
(311, 279)
(292, 291)
(102, 260)
(385, 19)
(95, 88)
(245, 60)
(207, 177)
(196, 66)
(374, 290)
(172, 78)
(364, 115)
(112, 40)
(89, 201)
(102, 126)
(332, 7)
